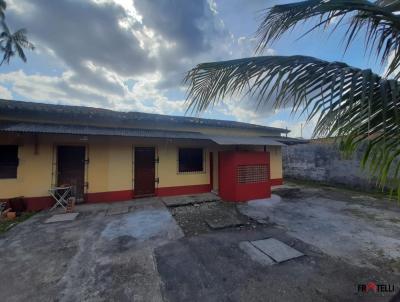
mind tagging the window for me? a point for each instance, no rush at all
(190, 160)
(8, 161)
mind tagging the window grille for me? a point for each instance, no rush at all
(252, 174)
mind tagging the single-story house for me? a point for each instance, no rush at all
(113, 156)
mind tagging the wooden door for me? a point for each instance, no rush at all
(71, 169)
(144, 171)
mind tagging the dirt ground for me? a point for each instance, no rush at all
(149, 252)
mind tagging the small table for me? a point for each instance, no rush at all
(60, 195)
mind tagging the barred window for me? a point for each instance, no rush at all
(252, 174)
(190, 160)
(8, 161)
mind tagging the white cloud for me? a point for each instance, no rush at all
(298, 127)
(102, 45)
(5, 93)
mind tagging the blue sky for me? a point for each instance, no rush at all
(132, 55)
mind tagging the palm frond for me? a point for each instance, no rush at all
(352, 103)
(21, 39)
(11, 44)
(378, 20)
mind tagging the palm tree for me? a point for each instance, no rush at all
(356, 106)
(13, 43)
(3, 6)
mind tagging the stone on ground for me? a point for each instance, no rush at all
(276, 249)
(255, 254)
(176, 201)
(226, 220)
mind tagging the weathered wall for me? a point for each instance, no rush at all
(324, 163)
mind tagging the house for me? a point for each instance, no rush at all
(113, 156)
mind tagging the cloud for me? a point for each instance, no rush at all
(104, 44)
(5, 93)
(125, 55)
(298, 128)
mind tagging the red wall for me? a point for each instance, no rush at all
(229, 188)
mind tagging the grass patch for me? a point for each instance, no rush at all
(6, 224)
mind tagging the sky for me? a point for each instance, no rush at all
(132, 55)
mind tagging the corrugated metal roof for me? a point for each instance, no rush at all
(54, 113)
(89, 130)
(23, 127)
(244, 140)
(289, 140)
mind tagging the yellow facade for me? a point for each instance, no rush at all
(110, 165)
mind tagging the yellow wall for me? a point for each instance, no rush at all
(34, 170)
(275, 155)
(167, 169)
(111, 163)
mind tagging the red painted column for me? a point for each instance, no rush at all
(230, 189)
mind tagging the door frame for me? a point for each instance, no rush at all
(54, 177)
(155, 170)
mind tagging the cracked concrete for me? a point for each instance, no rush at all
(359, 233)
(143, 255)
(94, 258)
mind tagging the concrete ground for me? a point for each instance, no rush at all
(354, 227)
(137, 251)
(97, 257)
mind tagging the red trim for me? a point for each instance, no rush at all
(276, 182)
(183, 190)
(34, 204)
(109, 196)
(211, 171)
(41, 203)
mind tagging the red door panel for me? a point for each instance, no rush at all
(144, 171)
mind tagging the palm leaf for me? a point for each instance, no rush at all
(11, 44)
(378, 20)
(355, 104)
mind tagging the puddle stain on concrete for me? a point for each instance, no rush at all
(141, 225)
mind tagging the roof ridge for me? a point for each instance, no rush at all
(14, 105)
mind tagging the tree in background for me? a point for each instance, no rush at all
(356, 106)
(12, 43)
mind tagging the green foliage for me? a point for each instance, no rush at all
(6, 224)
(356, 106)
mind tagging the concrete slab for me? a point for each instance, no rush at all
(62, 217)
(276, 249)
(255, 254)
(176, 201)
(117, 210)
(223, 221)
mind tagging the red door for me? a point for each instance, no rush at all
(144, 171)
(71, 169)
